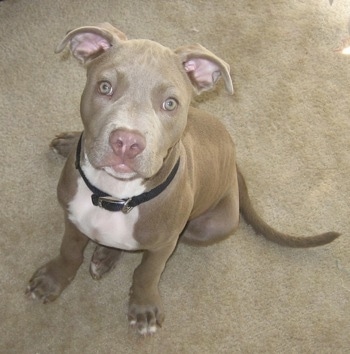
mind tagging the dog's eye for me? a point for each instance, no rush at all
(105, 88)
(170, 104)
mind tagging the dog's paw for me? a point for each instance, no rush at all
(64, 143)
(145, 319)
(50, 280)
(103, 260)
(43, 287)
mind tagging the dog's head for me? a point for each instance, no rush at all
(135, 103)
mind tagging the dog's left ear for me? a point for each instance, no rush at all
(86, 43)
(204, 68)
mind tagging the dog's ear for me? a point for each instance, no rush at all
(204, 68)
(86, 43)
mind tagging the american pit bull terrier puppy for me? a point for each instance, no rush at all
(148, 168)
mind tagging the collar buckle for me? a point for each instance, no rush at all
(123, 203)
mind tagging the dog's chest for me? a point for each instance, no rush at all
(113, 229)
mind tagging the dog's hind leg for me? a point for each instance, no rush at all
(214, 225)
(65, 142)
(103, 260)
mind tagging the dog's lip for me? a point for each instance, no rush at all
(116, 164)
(120, 171)
(121, 168)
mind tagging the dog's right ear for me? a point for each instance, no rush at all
(86, 43)
(204, 68)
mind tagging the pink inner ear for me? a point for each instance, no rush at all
(85, 44)
(204, 72)
(190, 65)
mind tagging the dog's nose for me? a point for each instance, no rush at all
(127, 143)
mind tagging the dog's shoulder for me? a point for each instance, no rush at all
(205, 127)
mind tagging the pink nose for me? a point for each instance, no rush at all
(127, 143)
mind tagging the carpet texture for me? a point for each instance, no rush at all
(290, 119)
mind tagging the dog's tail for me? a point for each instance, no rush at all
(260, 226)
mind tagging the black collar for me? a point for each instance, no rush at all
(106, 201)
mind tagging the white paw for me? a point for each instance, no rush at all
(143, 329)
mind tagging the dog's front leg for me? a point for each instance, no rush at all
(51, 279)
(145, 305)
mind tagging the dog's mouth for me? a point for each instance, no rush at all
(142, 166)
(114, 166)
(123, 172)
(121, 168)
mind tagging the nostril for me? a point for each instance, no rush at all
(135, 147)
(133, 150)
(119, 143)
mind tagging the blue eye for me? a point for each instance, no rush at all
(105, 88)
(169, 104)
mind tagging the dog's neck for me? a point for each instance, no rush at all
(110, 202)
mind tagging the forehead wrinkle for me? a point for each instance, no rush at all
(150, 67)
(148, 54)
(166, 88)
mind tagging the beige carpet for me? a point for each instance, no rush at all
(290, 118)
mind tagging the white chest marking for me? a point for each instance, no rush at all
(113, 229)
